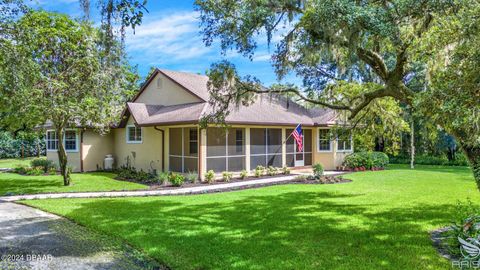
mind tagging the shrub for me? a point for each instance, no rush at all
(317, 170)
(162, 177)
(20, 169)
(285, 170)
(460, 160)
(227, 176)
(272, 171)
(10, 147)
(35, 171)
(366, 160)
(210, 176)
(191, 177)
(259, 171)
(243, 174)
(130, 173)
(301, 177)
(44, 163)
(52, 171)
(176, 179)
(466, 225)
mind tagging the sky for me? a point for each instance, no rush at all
(170, 38)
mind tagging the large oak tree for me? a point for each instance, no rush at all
(383, 39)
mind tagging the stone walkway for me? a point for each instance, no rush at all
(177, 191)
(33, 239)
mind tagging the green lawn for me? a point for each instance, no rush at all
(380, 221)
(11, 183)
(13, 162)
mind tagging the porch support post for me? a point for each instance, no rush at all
(284, 147)
(167, 149)
(203, 154)
(247, 149)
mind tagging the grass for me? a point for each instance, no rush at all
(381, 220)
(11, 163)
(14, 184)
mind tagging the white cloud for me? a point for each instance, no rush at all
(175, 36)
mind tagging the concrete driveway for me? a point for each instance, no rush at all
(33, 239)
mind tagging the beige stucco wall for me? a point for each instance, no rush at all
(146, 155)
(94, 149)
(329, 160)
(169, 93)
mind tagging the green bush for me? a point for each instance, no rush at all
(44, 163)
(191, 177)
(10, 147)
(227, 176)
(20, 169)
(460, 160)
(272, 171)
(243, 174)
(259, 171)
(176, 179)
(285, 170)
(317, 170)
(366, 160)
(34, 171)
(162, 177)
(130, 173)
(210, 176)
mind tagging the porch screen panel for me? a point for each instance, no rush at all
(225, 149)
(190, 140)
(175, 141)
(258, 141)
(181, 157)
(290, 148)
(175, 164)
(274, 147)
(216, 142)
(190, 164)
(258, 147)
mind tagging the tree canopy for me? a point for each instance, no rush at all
(390, 49)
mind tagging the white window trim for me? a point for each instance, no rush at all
(345, 150)
(127, 137)
(76, 150)
(318, 142)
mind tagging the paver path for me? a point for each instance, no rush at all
(141, 193)
(33, 239)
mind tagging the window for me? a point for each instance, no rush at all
(70, 140)
(239, 141)
(193, 142)
(324, 140)
(134, 134)
(52, 141)
(159, 83)
(344, 142)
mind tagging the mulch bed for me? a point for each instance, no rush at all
(438, 241)
(323, 180)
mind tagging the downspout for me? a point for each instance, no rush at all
(163, 146)
(81, 150)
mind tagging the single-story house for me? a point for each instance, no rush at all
(160, 131)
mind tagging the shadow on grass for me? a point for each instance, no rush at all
(293, 230)
(11, 184)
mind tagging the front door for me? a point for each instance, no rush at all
(299, 157)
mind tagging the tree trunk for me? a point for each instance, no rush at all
(412, 146)
(473, 155)
(62, 157)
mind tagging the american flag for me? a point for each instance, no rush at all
(298, 135)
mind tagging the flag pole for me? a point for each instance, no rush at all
(285, 141)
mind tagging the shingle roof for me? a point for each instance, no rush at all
(266, 110)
